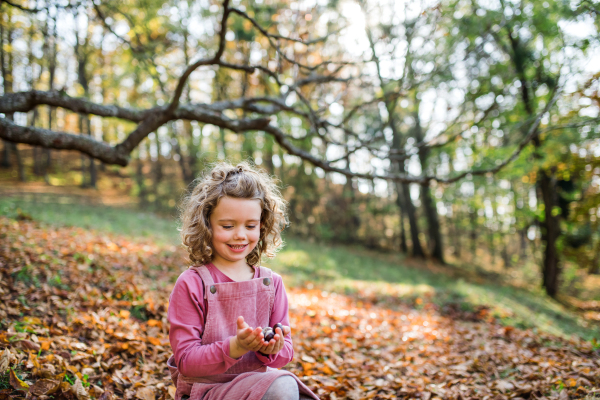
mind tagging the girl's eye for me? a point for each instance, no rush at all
(227, 226)
(251, 226)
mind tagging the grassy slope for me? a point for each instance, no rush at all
(340, 268)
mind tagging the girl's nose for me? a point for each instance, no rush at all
(239, 233)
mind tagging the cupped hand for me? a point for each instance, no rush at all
(275, 344)
(247, 338)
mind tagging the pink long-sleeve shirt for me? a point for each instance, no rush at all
(187, 309)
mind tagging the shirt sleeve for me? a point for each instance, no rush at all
(279, 314)
(186, 316)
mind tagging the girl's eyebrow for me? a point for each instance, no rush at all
(233, 220)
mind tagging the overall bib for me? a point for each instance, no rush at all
(249, 378)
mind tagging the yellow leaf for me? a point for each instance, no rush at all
(16, 383)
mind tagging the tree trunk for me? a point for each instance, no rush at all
(7, 77)
(81, 50)
(267, 154)
(431, 214)
(550, 233)
(157, 172)
(186, 174)
(6, 59)
(403, 191)
(282, 165)
(457, 235)
(248, 147)
(491, 247)
(505, 253)
(523, 243)
(52, 48)
(403, 244)
(140, 179)
(473, 235)
(433, 224)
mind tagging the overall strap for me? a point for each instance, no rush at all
(205, 276)
(265, 272)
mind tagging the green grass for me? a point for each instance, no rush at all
(123, 221)
(339, 268)
(345, 269)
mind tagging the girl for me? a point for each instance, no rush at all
(218, 306)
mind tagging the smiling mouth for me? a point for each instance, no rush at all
(237, 246)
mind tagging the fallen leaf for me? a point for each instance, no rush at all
(78, 390)
(107, 395)
(4, 361)
(308, 359)
(28, 345)
(504, 385)
(16, 383)
(145, 393)
(44, 387)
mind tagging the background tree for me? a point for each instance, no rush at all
(416, 114)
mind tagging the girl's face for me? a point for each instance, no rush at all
(235, 225)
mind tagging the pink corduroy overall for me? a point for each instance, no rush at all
(249, 378)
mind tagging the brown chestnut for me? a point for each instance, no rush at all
(268, 333)
(278, 325)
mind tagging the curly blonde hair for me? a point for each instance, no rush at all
(243, 181)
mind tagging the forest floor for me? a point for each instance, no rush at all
(84, 292)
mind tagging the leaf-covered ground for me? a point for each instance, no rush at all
(83, 315)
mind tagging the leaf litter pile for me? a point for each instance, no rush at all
(83, 316)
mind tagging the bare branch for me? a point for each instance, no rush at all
(531, 134)
(27, 101)
(270, 38)
(64, 141)
(206, 61)
(20, 7)
(34, 10)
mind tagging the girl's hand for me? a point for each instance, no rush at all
(247, 339)
(275, 344)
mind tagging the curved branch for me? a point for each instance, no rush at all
(206, 61)
(63, 141)
(27, 101)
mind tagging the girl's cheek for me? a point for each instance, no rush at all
(220, 236)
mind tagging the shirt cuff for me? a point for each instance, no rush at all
(265, 358)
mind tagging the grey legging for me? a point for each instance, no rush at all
(284, 388)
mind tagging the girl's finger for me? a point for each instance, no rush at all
(270, 347)
(244, 333)
(256, 337)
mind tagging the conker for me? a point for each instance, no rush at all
(268, 333)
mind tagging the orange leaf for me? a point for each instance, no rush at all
(153, 340)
